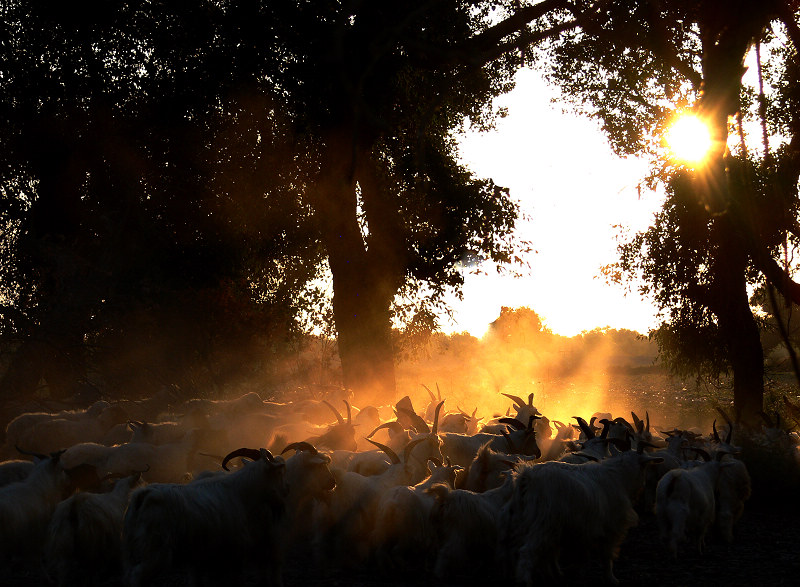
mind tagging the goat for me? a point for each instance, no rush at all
(167, 463)
(466, 527)
(581, 507)
(339, 436)
(685, 503)
(403, 535)
(14, 471)
(83, 543)
(462, 449)
(26, 507)
(526, 410)
(349, 517)
(210, 527)
(487, 470)
(39, 432)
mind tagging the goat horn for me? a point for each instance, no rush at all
(298, 446)
(516, 399)
(335, 411)
(394, 425)
(584, 427)
(430, 393)
(436, 417)
(389, 452)
(38, 455)
(249, 453)
(410, 446)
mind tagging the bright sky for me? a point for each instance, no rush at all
(574, 189)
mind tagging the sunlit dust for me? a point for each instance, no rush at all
(689, 139)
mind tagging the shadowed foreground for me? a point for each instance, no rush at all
(765, 551)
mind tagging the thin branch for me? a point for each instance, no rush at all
(487, 46)
(786, 12)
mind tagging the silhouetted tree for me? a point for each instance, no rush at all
(722, 226)
(148, 200)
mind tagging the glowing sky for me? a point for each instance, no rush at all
(574, 189)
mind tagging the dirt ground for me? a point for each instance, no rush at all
(766, 551)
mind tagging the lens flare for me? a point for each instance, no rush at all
(689, 139)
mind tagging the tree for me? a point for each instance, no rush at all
(150, 117)
(723, 225)
(139, 208)
(378, 89)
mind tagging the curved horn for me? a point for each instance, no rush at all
(530, 399)
(298, 446)
(516, 399)
(335, 411)
(249, 453)
(390, 453)
(714, 429)
(438, 391)
(430, 393)
(584, 427)
(436, 461)
(435, 428)
(349, 412)
(410, 446)
(394, 425)
(38, 455)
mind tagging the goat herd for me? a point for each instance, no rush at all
(222, 492)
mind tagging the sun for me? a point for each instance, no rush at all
(689, 139)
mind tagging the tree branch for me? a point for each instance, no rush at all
(488, 45)
(786, 15)
(776, 276)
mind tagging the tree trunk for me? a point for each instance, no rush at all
(726, 39)
(736, 321)
(364, 283)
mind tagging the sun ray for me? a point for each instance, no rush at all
(689, 140)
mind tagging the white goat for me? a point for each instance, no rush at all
(467, 528)
(583, 507)
(26, 507)
(43, 433)
(211, 527)
(167, 463)
(685, 504)
(345, 524)
(403, 535)
(83, 542)
(13, 471)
